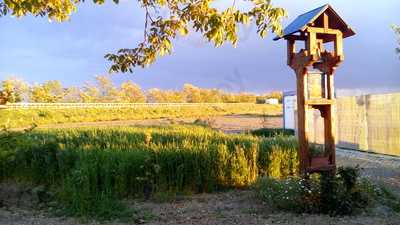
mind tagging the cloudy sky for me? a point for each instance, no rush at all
(38, 50)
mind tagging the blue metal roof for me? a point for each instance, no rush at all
(302, 21)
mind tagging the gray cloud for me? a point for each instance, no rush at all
(73, 52)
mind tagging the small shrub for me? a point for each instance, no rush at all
(205, 122)
(334, 194)
(316, 149)
(272, 132)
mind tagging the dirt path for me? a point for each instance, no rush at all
(229, 124)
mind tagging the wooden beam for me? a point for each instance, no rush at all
(316, 102)
(320, 47)
(329, 124)
(326, 21)
(323, 30)
(312, 43)
(339, 44)
(301, 37)
(331, 87)
(329, 120)
(291, 50)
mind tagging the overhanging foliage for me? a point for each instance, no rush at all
(216, 25)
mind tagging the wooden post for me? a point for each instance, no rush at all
(302, 123)
(339, 44)
(291, 50)
(330, 127)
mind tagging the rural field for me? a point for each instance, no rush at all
(25, 117)
(175, 170)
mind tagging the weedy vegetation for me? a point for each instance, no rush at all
(91, 169)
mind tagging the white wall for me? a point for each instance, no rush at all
(289, 108)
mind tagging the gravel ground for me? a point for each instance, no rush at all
(380, 168)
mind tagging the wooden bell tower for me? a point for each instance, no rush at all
(315, 65)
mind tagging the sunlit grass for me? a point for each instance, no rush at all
(91, 165)
(24, 117)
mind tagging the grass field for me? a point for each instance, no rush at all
(89, 167)
(15, 118)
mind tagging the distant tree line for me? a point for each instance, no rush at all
(104, 90)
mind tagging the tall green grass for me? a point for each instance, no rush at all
(92, 166)
(25, 117)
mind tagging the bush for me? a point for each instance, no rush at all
(340, 194)
(272, 132)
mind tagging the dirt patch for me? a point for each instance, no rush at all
(233, 207)
(240, 123)
(241, 207)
